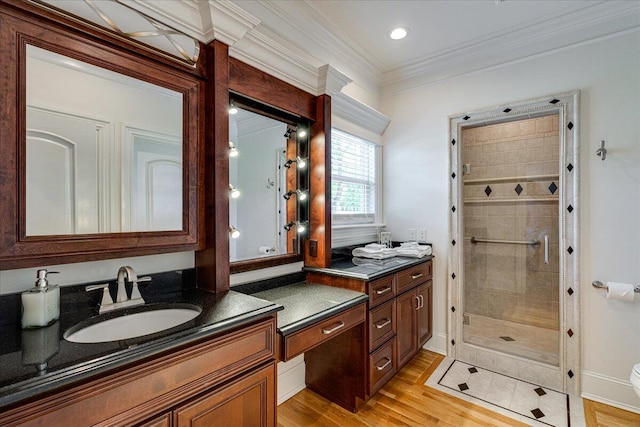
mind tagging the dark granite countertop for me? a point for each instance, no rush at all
(64, 363)
(308, 303)
(367, 269)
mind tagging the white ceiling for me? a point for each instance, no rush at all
(436, 26)
(293, 39)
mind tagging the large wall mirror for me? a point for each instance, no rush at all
(268, 184)
(100, 149)
(103, 150)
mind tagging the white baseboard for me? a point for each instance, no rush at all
(610, 391)
(290, 378)
(437, 344)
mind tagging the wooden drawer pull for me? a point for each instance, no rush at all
(416, 276)
(332, 330)
(384, 365)
(383, 290)
(383, 324)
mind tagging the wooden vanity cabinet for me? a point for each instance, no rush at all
(398, 318)
(229, 379)
(414, 314)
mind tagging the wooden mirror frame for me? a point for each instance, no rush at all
(227, 75)
(23, 23)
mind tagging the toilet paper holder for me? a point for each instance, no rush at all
(598, 284)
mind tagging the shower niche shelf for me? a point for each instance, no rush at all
(530, 199)
(523, 178)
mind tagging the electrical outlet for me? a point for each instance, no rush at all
(413, 236)
(422, 235)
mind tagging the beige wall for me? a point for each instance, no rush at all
(507, 281)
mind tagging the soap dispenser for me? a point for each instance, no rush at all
(41, 304)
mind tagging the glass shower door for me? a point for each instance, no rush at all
(511, 233)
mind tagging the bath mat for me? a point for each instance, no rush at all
(520, 400)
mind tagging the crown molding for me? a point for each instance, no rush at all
(184, 16)
(356, 112)
(603, 19)
(230, 23)
(308, 28)
(331, 81)
(205, 21)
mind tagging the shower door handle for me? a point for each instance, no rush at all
(546, 249)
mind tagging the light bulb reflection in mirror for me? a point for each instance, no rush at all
(234, 233)
(233, 192)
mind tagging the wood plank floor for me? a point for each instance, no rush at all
(406, 401)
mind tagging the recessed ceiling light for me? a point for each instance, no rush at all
(398, 33)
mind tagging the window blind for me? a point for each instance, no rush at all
(353, 179)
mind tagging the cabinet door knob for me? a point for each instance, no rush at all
(383, 324)
(332, 330)
(384, 365)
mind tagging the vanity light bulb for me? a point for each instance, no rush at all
(301, 228)
(302, 133)
(302, 195)
(233, 151)
(233, 109)
(234, 232)
(234, 192)
(302, 163)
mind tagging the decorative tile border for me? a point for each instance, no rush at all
(566, 106)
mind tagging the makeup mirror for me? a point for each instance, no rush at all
(267, 177)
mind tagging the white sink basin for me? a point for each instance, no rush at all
(131, 325)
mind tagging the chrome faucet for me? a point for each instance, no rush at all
(125, 274)
(128, 273)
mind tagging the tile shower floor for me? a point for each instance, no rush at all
(531, 342)
(520, 400)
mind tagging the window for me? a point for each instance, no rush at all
(353, 179)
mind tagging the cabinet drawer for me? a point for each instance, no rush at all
(382, 366)
(382, 324)
(311, 336)
(382, 290)
(413, 276)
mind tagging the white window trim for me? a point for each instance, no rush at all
(351, 116)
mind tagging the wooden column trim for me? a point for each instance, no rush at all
(320, 188)
(212, 262)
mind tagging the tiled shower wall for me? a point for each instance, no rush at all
(507, 199)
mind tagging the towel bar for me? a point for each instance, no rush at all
(598, 284)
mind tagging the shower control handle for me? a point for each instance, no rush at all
(546, 249)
